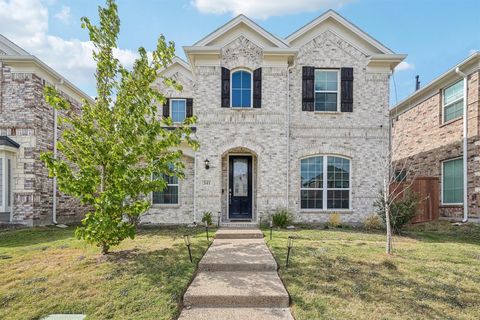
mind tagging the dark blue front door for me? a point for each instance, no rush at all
(240, 187)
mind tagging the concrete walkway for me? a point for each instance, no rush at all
(237, 279)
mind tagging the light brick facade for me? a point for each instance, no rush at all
(423, 141)
(279, 134)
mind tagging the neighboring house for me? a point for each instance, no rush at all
(26, 130)
(298, 123)
(428, 136)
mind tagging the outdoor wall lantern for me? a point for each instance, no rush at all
(186, 238)
(207, 164)
(289, 246)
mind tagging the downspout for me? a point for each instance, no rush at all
(194, 186)
(1, 85)
(465, 145)
(287, 196)
(55, 138)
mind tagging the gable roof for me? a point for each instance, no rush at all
(238, 20)
(178, 64)
(10, 48)
(331, 14)
(16, 56)
(468, 65)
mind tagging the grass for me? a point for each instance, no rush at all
(434, 273)
(46, 270)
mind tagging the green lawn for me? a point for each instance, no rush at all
(345, 274)
(46, 270)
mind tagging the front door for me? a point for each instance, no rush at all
(240, 188)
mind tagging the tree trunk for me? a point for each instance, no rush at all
(105, 248)
(387, 222)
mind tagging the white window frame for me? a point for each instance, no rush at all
(325, 184)
(451, 103)
(442, 184)
(171, 108)
(6, 181)
(168, 204)
(338, 91)
(231, 89)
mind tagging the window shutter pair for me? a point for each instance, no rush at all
(257, 88)
(308, 89)
(189, 108)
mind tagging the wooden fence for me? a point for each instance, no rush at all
(427, 189)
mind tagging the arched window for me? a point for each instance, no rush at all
(325, 183)
(241, 89)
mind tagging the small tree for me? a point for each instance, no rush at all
(110, 150)
(391, 190)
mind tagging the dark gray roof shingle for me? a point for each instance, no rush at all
(6, 141)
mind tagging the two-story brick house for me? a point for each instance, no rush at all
(27, 128)
(428, 135)
(298, 123)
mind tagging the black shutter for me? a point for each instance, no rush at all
(225, 88)
(189, 107)
(347, 90)
(257, 88)
(166, 108)
(308, 88)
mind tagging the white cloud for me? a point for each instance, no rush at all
(404, 66)
(264, 8)
(64, 15)
(25, 22)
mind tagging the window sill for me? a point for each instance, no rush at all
(165, 205)
(242, 109)
(328, 112)
(328, 211)
(451, 205)
(451, 121)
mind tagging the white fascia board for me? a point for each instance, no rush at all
(390, 60)
(467, 66)
(11, 48)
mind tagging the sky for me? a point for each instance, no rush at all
(436, 34)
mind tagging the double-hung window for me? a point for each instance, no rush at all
(169, 195)
(178, 110)
(242, 92)
(326, 90)
(453, 101)
(325, 183)
(452, 181)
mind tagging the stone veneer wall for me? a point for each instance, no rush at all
(26, 118)
(422, 141)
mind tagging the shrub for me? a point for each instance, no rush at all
(373, 222)
(281, 218)
(402, 210)
(334, 220)
(207, 217)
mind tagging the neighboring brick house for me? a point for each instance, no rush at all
(26, 130)
(300, 122)
(427, 135)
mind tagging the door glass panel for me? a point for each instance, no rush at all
(240, 177)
